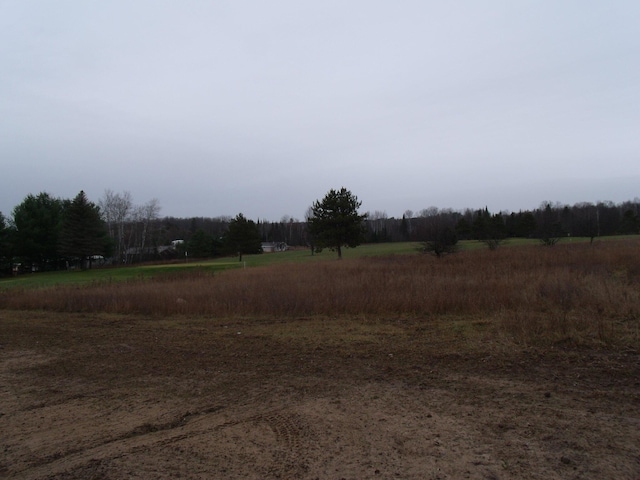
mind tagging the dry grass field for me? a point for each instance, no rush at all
(520, 363)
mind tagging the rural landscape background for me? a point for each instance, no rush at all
(466, 304)
(518, 361)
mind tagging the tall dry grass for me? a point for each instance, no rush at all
(581, 293)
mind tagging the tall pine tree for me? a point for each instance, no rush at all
(37, 221)
(243, 237)
(334, 222)
(83, 234)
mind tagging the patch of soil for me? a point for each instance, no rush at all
(107, 397)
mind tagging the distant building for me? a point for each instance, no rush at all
(270, 247)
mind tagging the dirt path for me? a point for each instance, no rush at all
(119, 397)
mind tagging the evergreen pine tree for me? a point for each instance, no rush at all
(83, 232)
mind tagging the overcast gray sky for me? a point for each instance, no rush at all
(260, 107)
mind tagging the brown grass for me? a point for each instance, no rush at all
(578, 293)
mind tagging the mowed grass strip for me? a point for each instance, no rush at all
(104, 275)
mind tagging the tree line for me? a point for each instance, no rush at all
(48, 233)
(549, 223)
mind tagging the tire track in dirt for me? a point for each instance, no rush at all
(282, 450)
(139, 438)
(293, 438)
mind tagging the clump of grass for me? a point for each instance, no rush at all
(579, 293)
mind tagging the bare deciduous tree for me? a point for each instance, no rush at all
(127, 224)
(146, 216)
(116, 209)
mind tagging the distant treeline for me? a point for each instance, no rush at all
(550, 219)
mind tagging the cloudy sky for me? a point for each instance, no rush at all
(260, 107)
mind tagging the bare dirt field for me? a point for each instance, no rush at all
(97, 396)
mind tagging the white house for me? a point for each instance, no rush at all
(270, 247)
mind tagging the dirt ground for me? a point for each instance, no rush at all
(112, 397)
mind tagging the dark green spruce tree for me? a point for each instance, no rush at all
(83, 234)
(36, 223)
(489, 229)
(242, 237)
(5, 246)
(202, 245)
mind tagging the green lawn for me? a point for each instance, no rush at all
(106, 275)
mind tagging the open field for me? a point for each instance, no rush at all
(521, 363)
(297, 255)
(148, 271)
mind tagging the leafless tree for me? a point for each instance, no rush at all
(146, 215)
(376, 221)
(116, 210)
(429, 212)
